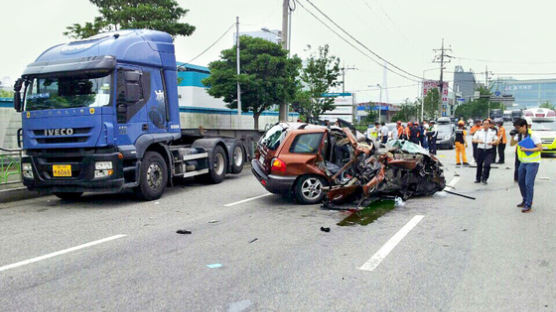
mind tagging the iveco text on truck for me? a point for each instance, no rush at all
(101, 114)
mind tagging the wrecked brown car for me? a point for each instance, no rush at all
(316, 162)
(404, 170)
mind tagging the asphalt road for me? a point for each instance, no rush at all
(269, 254)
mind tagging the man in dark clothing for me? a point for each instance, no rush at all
(414, 133)
(432, 134)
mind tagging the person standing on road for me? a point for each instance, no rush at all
(530, 159)
(475, 128)
(399, 128)
(383, 133)
(502, 140)
(432, 134)
(461, 144)
(485, 139)
(414, 133)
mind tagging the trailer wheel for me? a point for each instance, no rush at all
(308, 189)
(238, 158)
(217, 167)
(68, 195)
(153, 176)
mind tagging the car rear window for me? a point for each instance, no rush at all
(273, 137)
(307, 143)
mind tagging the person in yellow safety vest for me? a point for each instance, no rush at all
(529, 154)
(461, 144)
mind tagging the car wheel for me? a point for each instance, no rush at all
(153, 177)
(308, 189)
(69, 195)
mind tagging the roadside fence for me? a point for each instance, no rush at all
(10, 166)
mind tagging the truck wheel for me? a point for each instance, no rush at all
(308, 189)
(69, 195)
(217, 168)
(153, 176)
(238, 158)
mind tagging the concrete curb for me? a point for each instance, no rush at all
(17, 193)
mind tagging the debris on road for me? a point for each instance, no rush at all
(404, 170)
(213, 221)
(325, 229)
(214, 266)
(183, 232)
(253, 240)
(458, 194)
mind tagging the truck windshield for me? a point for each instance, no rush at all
(68, 92)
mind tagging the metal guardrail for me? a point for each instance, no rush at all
(10, 166)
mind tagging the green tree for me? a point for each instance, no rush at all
(477, 108)
(408, 111)
(6, 93)
(320, 73)
(430, 107)
(267, 76)
(163, 15)
(547, 104)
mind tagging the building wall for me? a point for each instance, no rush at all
(466, 83)
(527, 93)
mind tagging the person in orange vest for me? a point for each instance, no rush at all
(408, 129)
(502, 140)
(399, 127)
(476, 126)
(461, 144)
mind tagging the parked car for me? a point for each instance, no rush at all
(446, 133)
(540, 114)
(547, 132)
(299, 159)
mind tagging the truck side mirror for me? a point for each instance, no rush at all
(132, 89)
(17, 94)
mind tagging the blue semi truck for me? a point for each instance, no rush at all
(101, 115)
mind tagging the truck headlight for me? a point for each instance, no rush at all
(27, 170)
(103, 169)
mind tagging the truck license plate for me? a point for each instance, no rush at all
(261, 159)
(61, 170)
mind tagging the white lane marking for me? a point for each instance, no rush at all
(61, 252)
(452, 183)
(377, 258)
(246, 200)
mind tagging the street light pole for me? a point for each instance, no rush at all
(237, 70)
(380, 101)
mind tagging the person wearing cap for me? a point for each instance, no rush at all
(485, 139)
(461, 144)
(502, 140)
(432, 134)
(475, 128)
(530, 159)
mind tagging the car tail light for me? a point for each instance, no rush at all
(278, 165)
(528, 114)
(551, 114)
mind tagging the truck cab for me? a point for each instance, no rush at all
(94, 111)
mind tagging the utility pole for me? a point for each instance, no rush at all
(380, 100)
(443, 58)
(285, 34)
(344, 68)
(237, 71)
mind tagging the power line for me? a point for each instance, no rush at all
(363, 45)
(348, 42)
(395, 87)
(213, 44)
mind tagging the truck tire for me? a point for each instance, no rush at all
(217, 167)
(308, 189)
(69, 195)
(153, 176)
(238, 158)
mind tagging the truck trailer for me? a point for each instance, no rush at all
(101, 115)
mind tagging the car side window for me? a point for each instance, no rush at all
(307, 143)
